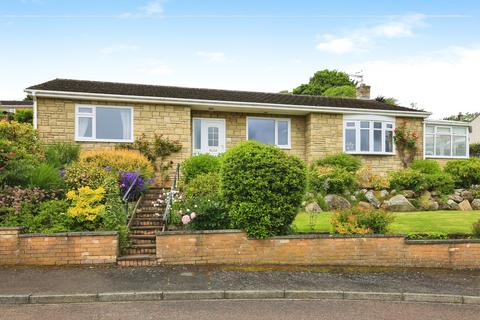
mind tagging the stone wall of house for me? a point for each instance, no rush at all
(233, 247)
(236, 128)
(72, 248)
(56, 122)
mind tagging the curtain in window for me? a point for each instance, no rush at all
(125, 116)
(84, 127)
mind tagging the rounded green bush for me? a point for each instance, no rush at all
(199, 164)
(204, 185)
(465, 172)
(426, 166)
(409, 179)
(328, 179)
(341, 160)
(262, 187)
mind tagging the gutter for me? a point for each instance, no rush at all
(218, 103)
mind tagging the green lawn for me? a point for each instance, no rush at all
(405, 222)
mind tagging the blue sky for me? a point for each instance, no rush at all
(427, 52)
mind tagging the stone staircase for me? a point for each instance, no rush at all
(146, 222)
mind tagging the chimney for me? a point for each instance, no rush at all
(363, 92)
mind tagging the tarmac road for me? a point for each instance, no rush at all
(244, 309)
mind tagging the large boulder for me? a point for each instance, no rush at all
(372, 199)
(455, 197)
(312, 207)
(466, 194)
(408, 193)
(442, 205)
(453, 205)
(365, 205)
(398, 203)
(465, 205)
(476, 204)
(336, 202)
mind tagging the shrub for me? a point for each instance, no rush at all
(205, 214)
(426, 166)
(24, 116)
(358, 221)
(326, 180)
(262, 187)
(86, 203)
(427, 236)
(13, 197)
(46, 177)
(476, 229)
(204, 185)
(22, 134)
(61, 154)
(367, 179)
(409, 179)
(52, 217)
(198, 165)
(118, 160)
(406, 141)
(465, 172)
(342, 160)
(113, 218)
(77, 175)
(475, 150)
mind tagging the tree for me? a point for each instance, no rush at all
(324, 80)
(342, 92)
(390, 101)
(468, 116)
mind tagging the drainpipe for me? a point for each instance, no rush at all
(34, 110)
(424, 139)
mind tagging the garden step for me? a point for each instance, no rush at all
(143, 241)
(149, 215)
(146, 223)
(145, 232)
(137, 251)
(137, 260)
(146, 227)
(148, 219)
(142, 237)
(145, 210)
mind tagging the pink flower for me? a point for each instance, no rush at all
(186, 219)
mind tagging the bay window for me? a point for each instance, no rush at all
(368, 134)
(446, 141)
(273, 131)
(103, 123)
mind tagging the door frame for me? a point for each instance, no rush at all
(209, 119)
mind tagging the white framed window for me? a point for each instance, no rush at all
(275, 131)
(364, 134)
(446, 141)
(103, 123)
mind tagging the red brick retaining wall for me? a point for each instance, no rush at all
(233, 247)
(57, 249)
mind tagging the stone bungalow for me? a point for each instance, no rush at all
(101, 114)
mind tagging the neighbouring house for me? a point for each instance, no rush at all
(11, 106)
(475, 135)
(101, 114)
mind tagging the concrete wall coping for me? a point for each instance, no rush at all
(10, 228)
(443, 241)
(70, 234)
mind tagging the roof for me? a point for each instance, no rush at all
(142, 90)
(16, 103)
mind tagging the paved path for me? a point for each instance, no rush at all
(56, 280)
(244, 309)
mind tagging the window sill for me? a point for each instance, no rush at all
(447, 157)
(371, 153)
(104, 140)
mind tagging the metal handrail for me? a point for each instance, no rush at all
(171, 193)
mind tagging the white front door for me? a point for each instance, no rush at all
(208, 136)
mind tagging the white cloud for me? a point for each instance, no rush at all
(213, 56)
(336, 45)
(156, 67)
(154, 7)
(118, 48)
(444, 82)
(360, 39)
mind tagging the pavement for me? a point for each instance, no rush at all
(92, 280)
(244, 309)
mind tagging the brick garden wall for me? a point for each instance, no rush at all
(233, 247)
(71, 248)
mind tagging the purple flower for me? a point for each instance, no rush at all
(127, 179)
(186, 219)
